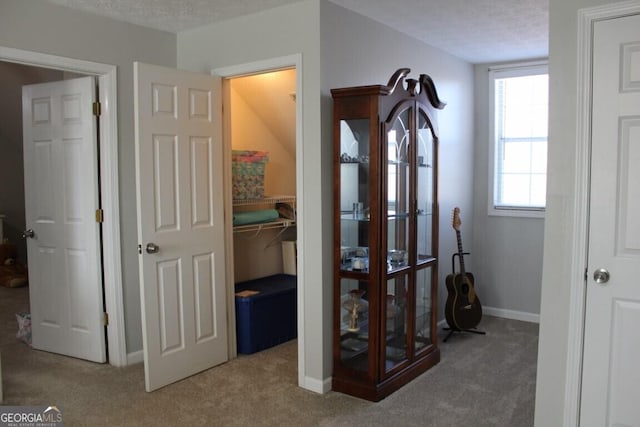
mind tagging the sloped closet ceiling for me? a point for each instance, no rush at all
(271, 96)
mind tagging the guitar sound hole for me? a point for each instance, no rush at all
(465, 288)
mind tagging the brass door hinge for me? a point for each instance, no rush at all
(97, 108)
(105, 318)
(99, 216)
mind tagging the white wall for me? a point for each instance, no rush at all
(46, 28)
(506, 251)
(558, 237)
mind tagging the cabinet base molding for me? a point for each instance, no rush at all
(375, 392)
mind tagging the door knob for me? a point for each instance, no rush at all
(601, 275)
(28, 234)
(152, 248)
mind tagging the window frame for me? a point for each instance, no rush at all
(498, 72)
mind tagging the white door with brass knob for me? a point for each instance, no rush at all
(180, 222)
(610, 393)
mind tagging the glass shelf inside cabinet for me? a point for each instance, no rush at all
(397, 215)
(397, 259)
(351, 216)
(354, 259)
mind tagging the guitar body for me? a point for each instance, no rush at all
(462, 309)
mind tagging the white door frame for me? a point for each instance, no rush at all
(112, 264)
(577, 301)
(272, 64)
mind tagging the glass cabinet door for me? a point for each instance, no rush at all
(425, 186)
(354, 195)
(423, 310)
(398, 192)
(396, 324)
(354, 243)
(398, 203)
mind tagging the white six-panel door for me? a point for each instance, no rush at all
(611, 372)
(61, 198)
(180, 222)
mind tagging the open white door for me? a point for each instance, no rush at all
(180, 222)
(63, 237)
(610, 393)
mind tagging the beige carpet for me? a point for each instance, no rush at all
(481, 381)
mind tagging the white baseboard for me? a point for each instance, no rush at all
(135, 357)
(504, 313)
(511, 314)
(317, 386)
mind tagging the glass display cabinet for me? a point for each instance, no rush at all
(385, 234)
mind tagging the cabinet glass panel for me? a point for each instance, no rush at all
(354, 194)
(398, 175)
(425, 188)
(396, 321)
(354, 324)
(423, 309)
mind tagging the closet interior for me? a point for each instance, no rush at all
(263, 164)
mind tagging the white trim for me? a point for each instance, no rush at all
(577, 292)
(317, 386)
(135, 357)
(109, 183)
(514, 212)
(503, 313)
(232, 341)
(511, 314)
(518, 65)
(259, 67)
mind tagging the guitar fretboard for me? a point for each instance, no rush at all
(460, 253)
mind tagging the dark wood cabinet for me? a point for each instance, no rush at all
(385, 234)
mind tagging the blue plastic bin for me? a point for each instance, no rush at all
(269, 317)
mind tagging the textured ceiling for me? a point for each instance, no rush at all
(475, 30)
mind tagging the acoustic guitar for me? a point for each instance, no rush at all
(462, 310)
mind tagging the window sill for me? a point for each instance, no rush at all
(517, 213)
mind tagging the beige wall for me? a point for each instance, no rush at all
(257, 130)
(46, 28)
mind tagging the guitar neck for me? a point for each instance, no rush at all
(460, 253)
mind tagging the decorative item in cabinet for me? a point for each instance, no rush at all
(264, 213)
(385, 234)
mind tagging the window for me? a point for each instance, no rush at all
(519, 98)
